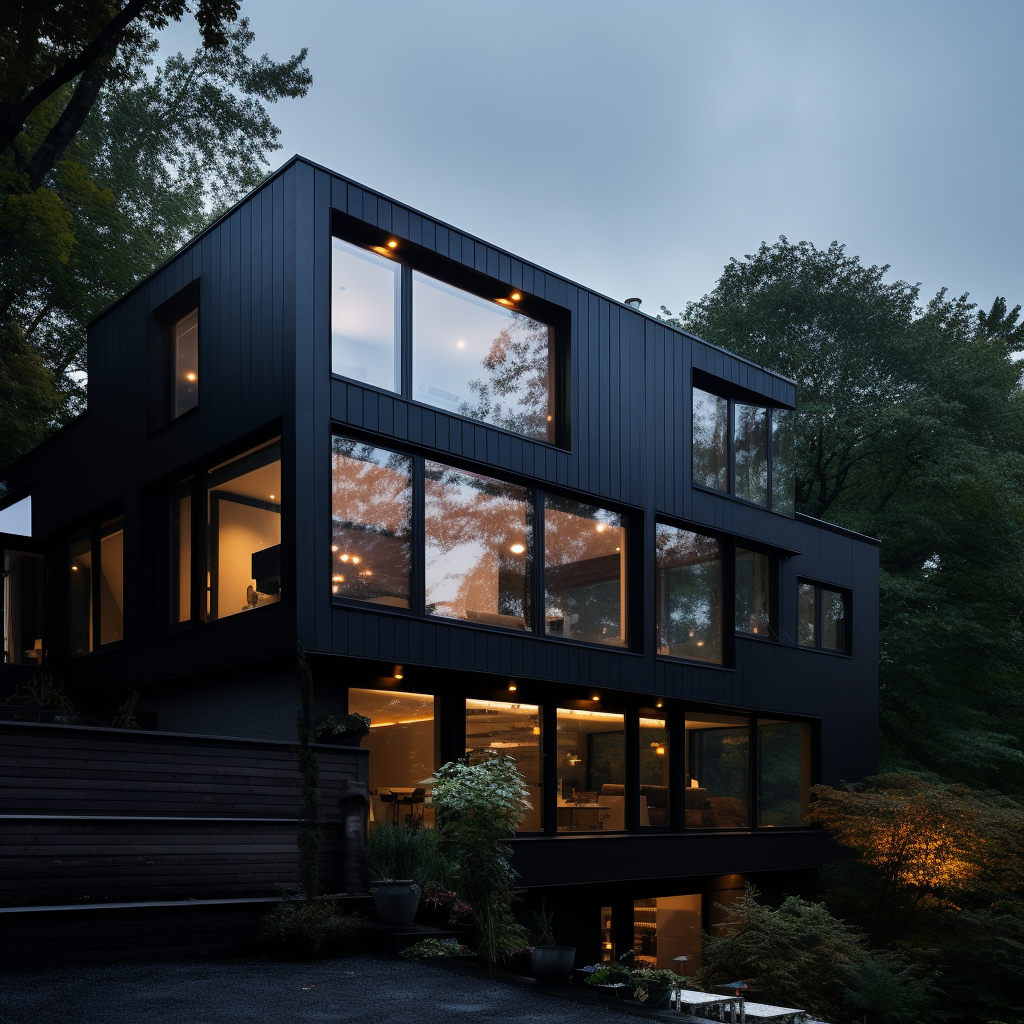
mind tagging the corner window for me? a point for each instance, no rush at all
(95, 592)
(717, 771)
(688, 599)
(744, 449)
(185, 359)
(17, 517)
(823, 615)
(244, 533)
(755, 594)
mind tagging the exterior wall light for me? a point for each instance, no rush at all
(398, 673)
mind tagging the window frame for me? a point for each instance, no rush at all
(95, 527)
(412, 257)
(774, 634)
(847, 595)
(160, 356)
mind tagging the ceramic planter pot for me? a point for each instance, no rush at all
(658, 997)
(396, 901)
(551, 965)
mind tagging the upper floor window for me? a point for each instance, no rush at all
(688, 603)
(744, 449)
(485, 357)
(823, 615)
(755, 594)
(185, 358)
(95, 609)
(17, 517)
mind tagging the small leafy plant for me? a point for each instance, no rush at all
(337, 725)
(44, 692)
(436, 947)
(647, 977)
(436, 896)
(609, 974)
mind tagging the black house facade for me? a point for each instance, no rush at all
(502, 514)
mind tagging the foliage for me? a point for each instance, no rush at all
(44, 692)
(340, 724)
(478, 809)
(909, 428)
(544, 932)
(108, 172)
(644, 979)
(396, 852)
(301, 929)
(457, 909)
(309, 764)
(609, 974)
(124, 717)
(436, 947)
(885, 990)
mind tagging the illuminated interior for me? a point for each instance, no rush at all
(591, 771)
(111, 582)
(80, 593)
(654, 770)
(667, 928)
(22, 594)
(181, 553)
(186, 363)
(717, 771)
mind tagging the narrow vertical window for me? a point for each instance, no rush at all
(80, 593)
(479, 543)
(753, 594)
(111, 581)
(371, 524)
(654, 769)
(750, 448)
(186, 364)
(366, 291)
(833, 620)
(806, 632)
(689, 594)
(783, 462)
(710, 440)
(823, 615)
(783, 772)
(584, 572)
(181, 553)
(22, 606)
(591, 771)
(718, 770)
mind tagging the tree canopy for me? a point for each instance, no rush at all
(909, 428)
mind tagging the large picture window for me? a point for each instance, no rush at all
(744, 449)
(96, 587)
(689, 594)
(783, 772)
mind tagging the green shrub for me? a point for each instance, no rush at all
(436, 947)
(397, 852)
(306, 929)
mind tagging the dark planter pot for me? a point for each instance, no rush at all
(552, 965)
(341, 739)
(396, 902)
(658, 997)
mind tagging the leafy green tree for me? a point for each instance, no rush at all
(909, 428)
(105, 173)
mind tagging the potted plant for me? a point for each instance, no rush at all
(654, 986)
(441, 907)
(609, 979)
(345, 730)
(550, 964)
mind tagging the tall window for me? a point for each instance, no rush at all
(499, 729)
(180, 598)
(744, 449)
(487, 358)
(584, 572)
(96, 587)
(479, 546)
(783, 772)
(591, 771)
(22, 597)
(244, 533)
(689, 594)
(654, 769)
(754, 597)
(185, 357)
(717, 771)
(823, 617)
(371, 524)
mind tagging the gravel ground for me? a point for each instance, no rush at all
(371, 989)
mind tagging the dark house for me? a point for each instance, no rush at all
(502, 513)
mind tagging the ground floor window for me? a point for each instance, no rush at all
(667, 932)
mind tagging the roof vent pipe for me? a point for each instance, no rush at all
(635, 303)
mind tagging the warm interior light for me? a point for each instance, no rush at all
(392, 244)
(691, 632)
(660, 704)
(550, 417)
(516, 296)
(344, 558)
(356, 559)
(190, 376)
(536, 730)
(334, 589)
(334, 547)
(398, 673)
(74, 568)
(366, 572)
(659, 751)
(518, 549)
(272, 497)
(601, 527)
(503, 302)
(337, 578)
(754, 629)
(700, 643)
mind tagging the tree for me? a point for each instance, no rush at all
(153, 155)
(909, 428)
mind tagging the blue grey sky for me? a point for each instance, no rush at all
(635, 147)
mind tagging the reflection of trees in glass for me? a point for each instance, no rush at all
(718, 759)
(751, 453)
(710, 440)
(783, 462)
(780, 773)
(805, 615)
(515, 392)
(689, 602)
(607, 760)
(652, 764)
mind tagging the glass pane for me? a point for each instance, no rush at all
(805, 615)
(654, 770)
(584, 572)
(475, 358)
(479, 546)
(783, 772)
(607, 936)
(665, 929)
(591, 792)
(783, 462)
(514, 730)
(750, 446)
(366, 291)
(710, 440)
(717, 771)
(181, 554)
(80, 593)
(112, 582)
(833, 620)
(17, 518)
(24, 577)
(403, 753)
(753, 593)
(371, 523)
(244, 521)
(186, 363)
(689, 594)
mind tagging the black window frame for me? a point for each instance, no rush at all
(160, 352)
(95, 527)
(413, 257)
(773, 590)
(847, 595)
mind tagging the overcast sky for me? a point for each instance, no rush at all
(636, 146)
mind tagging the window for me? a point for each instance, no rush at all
(371, 519)
(667, 933)
(244, 533)
(753, 459)
(96, 587)
(823, 617)
(689, 594)
(591, 762)
(22, 594)
(185, 359)
(180, 597)
(485, 357)
(479, 547)
(17, 517)
(403, 753)
(366, 333)
(754, 594)
(783, 772)
(584, 572)
(654, 769)
(717, 771)
(495, 728)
